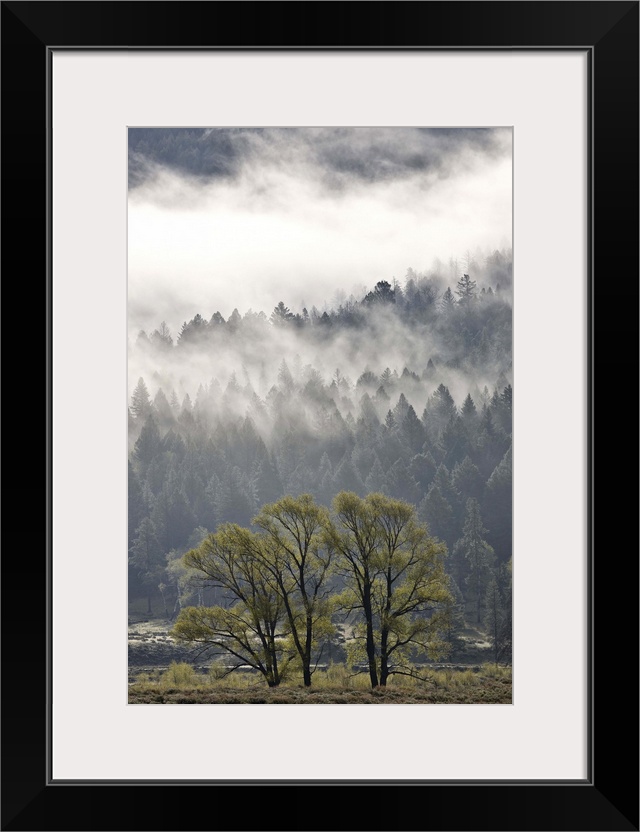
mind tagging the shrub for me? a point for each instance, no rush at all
(179, 673)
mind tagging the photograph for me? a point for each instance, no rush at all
(320, 383)
(312, 281)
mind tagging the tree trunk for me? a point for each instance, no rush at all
(306, 661)
(384, 636)
(371, 647)
(384, 659)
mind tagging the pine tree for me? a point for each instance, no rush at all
(448, 301)
(281, 315)
(385, 378)
(346, 478)
(148, 443)
(401, 484)
(140, 402)
(400, 410)
(285, 379)
(136, 504)
(469, 411)
(439, 410)
(437, 513)
(161, 337)
(498, 619)
(491, 443)
(467, 480)
(423, 469)
(466, 290)
(235, 321)
(454, 622)
(497, 507)
(412, 431)
(147, 558)
(430, 370)
(163, 410)
(454, 442)
(376, 482)
(479, 555)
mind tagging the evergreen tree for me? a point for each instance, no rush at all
(194, 332)
(163, 410)
(504, 409)
(466, 290)
(430, 370)
(498, 619)
(148, 443)
(235, 322)
(480, 558)
(281, 315)
(376, 481)
(346, 478)
(141, 402)
(412, 431)
(448, 301)
(137, 508)
(161, 337)
(269, 486)
(439, 411)
(386, 378)
(285, 379)
(454, 442)
(454, 621)
(401, 484)
(423, 469)
(400, 410)
(497, 507)
(147, 558)
(469, 412)
(382, 294)
(436, 511)
(467, 480)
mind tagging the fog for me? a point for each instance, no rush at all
(227, 219)
(253, 353)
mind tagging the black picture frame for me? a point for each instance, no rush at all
(608, 798)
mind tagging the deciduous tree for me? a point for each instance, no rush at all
(251, 626)
(299, 561)
(395, 580)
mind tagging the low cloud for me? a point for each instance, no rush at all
(252, 217)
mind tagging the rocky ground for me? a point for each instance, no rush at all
(151, 648)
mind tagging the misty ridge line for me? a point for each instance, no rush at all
(390, 327)
(395, 349)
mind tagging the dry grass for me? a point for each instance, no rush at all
(180, 684)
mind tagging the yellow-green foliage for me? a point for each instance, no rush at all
(394, 572)
(495, 671)
(178, 674)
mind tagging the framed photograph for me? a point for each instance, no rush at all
(393, 131)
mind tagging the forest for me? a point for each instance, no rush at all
(402, 394)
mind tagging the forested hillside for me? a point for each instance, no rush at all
(405, 390)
